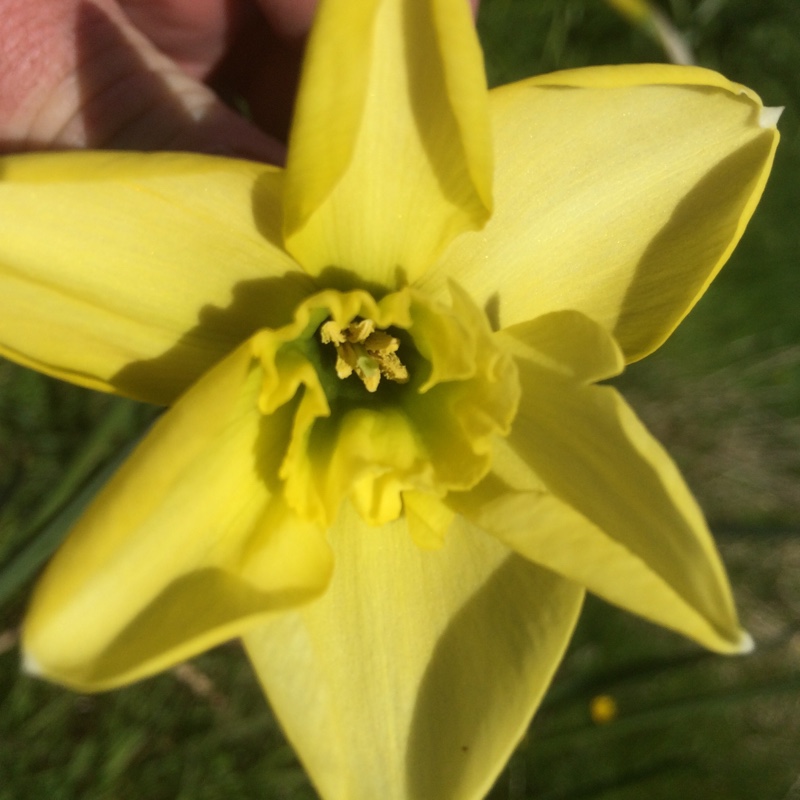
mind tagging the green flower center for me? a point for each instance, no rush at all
(371, 427)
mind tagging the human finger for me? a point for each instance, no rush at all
(79, 74)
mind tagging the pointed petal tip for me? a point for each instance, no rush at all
(746, 644)
(29, 665)
(769, 116)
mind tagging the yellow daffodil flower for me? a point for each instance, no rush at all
(387, 464)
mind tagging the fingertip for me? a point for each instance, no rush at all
(289, 18)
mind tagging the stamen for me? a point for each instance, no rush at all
(368, 352)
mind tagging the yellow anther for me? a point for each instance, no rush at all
(368, 352)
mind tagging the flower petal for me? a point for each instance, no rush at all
(187, 545)
(568, 343)
(619, 192)
(603, 505)
(134, 273)
(389, 155)
(416, 672)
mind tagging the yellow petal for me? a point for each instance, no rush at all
(415, 674)
(134, 273)
(428, 518)
(186, 547)
(389, 154)
(619, 192)
(568, 343)
(611, 510)
(430, 432)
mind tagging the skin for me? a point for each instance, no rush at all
(151, 74)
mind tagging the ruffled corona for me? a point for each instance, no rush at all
(391, 396)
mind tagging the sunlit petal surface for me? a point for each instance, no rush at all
(603, 504)
(134, 273)
(390, 154)
(619, 192)
(186, 547)
(416, 672)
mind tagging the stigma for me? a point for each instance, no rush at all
(370, 353)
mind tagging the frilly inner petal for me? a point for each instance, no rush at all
(372, 434)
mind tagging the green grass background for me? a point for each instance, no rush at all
(724, 396)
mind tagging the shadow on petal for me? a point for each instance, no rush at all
(427, 90)
(485, 679)
(255, 304)
(196, 607)
(706, 225)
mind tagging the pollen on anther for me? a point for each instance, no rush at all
(368, 352)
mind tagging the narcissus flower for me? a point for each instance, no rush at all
(386, 464)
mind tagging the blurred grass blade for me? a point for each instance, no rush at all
(103, 451)
(120, 421)
(654, 23)
(627, 779)
(644, 721)
(570, 689)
